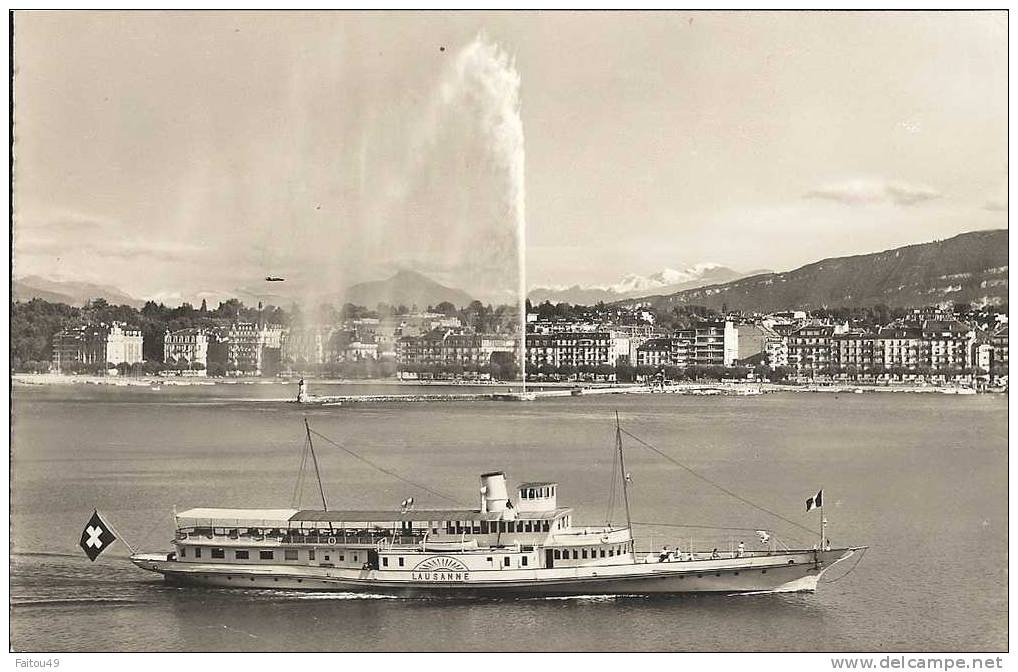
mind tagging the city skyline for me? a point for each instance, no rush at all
(194, 154)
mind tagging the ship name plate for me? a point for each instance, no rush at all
(441, 568)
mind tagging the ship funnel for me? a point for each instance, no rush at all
(495, 494)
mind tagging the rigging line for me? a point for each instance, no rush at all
(387, 471)
(697, 527)
(611, 488)
(298, 485)
(716, 485)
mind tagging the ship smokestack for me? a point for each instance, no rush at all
(494, 492)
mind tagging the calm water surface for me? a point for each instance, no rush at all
(920, 478)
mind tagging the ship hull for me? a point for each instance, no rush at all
(799, 572)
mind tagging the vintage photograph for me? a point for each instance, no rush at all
(509, 331)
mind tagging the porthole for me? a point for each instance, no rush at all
(699, 576)
(735, 573)
(300, 580)
(717, 574)
(791, 562)
(763, 571)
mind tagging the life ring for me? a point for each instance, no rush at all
(332, 541)
(604, 539)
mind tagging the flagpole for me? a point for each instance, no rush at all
(821, 526)
(116, 532)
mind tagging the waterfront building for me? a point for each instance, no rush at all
(447, 348)
(576, 349)
(983, 360)
(754, 341)
(716, 343)
(253, 349)
(305, 346)
(656, 352)
(899, 347)
(853, 352)
(999, 342)
(108, 344)
(809, 347)
(947, 345)
(187, 347)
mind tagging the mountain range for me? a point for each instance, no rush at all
(69, 292)
(632, 286)
(968, 268)
(407, 288)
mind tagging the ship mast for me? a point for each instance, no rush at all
(314, 458)
(625, 484)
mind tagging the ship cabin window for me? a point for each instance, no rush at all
(266, 555)
(355, 557)
(240, 555)
(523, 561)
(505, 561)
(576, 554)
(611, 552)
(401, 562)
(558, 555)
(602, 553)
(290, 554)
(311, 554)
(218, 553)
(327, 558)
(197, 552)
(342, 558)
(183, 551)
(385, 562)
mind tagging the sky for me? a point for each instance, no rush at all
(186, 155)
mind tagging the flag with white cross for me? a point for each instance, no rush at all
(96, 536)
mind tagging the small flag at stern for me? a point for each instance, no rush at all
(96, 536)
(815, 502)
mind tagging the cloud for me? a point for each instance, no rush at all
(874, 191)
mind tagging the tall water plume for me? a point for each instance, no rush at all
(480, 95)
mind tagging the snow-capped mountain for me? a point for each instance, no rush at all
(633, 286)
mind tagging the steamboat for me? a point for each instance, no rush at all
(526, 545)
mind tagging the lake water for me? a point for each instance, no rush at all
(922, 479)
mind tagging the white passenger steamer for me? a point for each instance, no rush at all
(529, 547)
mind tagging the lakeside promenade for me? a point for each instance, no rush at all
(499, 391)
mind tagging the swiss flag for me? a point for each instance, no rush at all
(96, 536)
